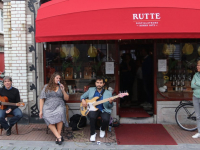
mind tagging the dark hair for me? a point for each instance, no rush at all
(100, 78)
(51, 86)
(198, 59)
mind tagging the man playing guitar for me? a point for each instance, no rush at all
(13, 96)
(104, 110)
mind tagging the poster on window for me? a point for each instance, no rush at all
(162, 65)
(109, 67)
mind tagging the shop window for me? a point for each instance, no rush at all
(176, 67)
(79, 65)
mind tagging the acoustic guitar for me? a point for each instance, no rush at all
(4, 102)
(91, 104)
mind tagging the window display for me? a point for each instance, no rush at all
(180, 62)
(79, 65)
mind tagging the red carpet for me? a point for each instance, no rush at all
(143, 134)
(133, 112)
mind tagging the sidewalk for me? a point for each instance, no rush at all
(34, 136)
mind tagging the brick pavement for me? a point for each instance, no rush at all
(180, 135)
(37, 132)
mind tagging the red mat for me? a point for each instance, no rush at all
(133, 112)
(143, 134)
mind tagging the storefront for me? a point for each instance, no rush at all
(102, 24)
(83, 38)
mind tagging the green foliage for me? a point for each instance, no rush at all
(189, 64)
(172, 63)
(96, 66)
(66, 65)
(77, 67)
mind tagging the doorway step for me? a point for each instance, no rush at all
(135, 115)
(126, 120)
(133, 112)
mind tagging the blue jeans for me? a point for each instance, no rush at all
(196, 103)
(17, 116)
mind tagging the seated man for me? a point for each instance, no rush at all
(13, 96)
(104, 109)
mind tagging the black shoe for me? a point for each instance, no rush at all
(62, 138)
(59, 142)
(56, 141)
(8, 132)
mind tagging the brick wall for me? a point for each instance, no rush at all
(15, 45)
(19, 36)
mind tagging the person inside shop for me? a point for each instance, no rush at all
(141, 96)
(52, 105)
(13, 97)
(195, 85)
(147, 76)
(127, 71)
(104, 109)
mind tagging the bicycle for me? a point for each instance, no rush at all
(185, 116)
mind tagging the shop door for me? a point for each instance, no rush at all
(133, 61)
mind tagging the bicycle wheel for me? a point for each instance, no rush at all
(186, 118)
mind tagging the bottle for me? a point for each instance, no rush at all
(179, 75)
(189, 77)
(80, 74)
(93, 74)
(174, 75)
(183, 82)
(67, 74)
(75, 75)
(109, 128)
(183, 75)
(173, 83)
(178, 82)
(181, 89)
(176, 87)
(170, 76)
(74, 89)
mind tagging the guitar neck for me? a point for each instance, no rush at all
(105, 100)
(7, 103)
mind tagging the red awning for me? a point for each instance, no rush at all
(69, 20)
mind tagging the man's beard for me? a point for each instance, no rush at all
(100, 87)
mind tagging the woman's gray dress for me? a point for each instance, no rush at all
(54, 109)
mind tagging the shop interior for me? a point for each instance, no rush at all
(134, 60)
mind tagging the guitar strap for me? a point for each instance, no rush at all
(101, 94)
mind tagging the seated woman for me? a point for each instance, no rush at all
(52, 105)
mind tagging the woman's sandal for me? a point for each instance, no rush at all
(56, 141)
(61, 140)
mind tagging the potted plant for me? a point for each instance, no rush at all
(96, 67)
(77, 69)
(66, 65)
